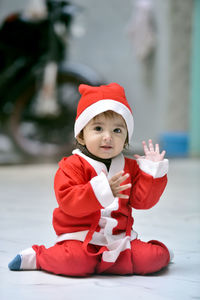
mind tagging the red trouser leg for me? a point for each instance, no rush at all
(149, 257)
(142, 258)
(66, 258)
(122, 266)
(69, 258)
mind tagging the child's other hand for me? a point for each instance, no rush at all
(115, 186)
(151, 153)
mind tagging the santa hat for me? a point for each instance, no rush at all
(95, 100)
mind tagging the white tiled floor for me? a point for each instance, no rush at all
(27, 201)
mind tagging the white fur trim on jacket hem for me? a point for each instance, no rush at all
(98, 238)
(157, 169)
(115, 243)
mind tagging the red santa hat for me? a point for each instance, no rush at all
(95, 100)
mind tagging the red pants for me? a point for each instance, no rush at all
(69, 258)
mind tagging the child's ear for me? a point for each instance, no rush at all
(80, 139)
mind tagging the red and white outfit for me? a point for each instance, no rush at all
(94, 229)
(88, 212)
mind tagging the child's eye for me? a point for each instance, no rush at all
(117, 130)
(98, 128)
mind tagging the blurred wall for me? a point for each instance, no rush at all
(180, 27)
(158, 87)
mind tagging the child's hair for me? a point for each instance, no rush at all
(106, 114)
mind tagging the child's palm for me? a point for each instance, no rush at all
(152, 153)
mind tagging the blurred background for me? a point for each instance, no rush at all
(151, 47)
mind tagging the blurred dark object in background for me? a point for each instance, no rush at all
(38, 86)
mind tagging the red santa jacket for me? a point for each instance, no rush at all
(87, 209)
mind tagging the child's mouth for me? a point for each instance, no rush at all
(106, 147)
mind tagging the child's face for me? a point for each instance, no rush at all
(105, 136)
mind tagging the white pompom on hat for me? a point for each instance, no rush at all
(97, 99)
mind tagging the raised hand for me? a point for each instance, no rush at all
(115, 186)
(151, 153)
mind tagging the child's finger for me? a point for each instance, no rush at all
(157, 148)
(146, 150)
(163, 154)
(123, 196)
(117, 176)
(124, 187)
(137, 156)
(151, 147)
(121, 179)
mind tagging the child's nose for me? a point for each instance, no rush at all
(107, 136)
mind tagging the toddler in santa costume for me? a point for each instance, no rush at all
(96, 189)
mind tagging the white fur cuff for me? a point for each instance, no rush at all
(157, 169)
(102, 189)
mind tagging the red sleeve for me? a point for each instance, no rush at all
(73, 190)
(146, 190)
